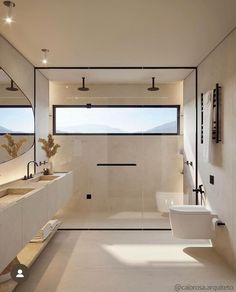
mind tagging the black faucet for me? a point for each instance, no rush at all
(202, 194)
(28, 165)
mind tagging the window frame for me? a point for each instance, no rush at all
(89, 105)
(18, 106)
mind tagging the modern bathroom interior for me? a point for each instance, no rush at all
(117, 146)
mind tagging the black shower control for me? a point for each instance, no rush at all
(88, 196)
(212, 179)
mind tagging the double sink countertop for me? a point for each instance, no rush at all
(13, 192)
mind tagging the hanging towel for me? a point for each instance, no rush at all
(207, 126)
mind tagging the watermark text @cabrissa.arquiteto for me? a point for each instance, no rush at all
(184, 287)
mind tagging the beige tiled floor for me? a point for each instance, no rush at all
(125, 261)
(112, 219)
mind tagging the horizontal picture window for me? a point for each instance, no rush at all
(16, 120)
(116, 120)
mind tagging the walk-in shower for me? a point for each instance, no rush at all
(125, 144)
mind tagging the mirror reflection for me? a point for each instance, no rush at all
(16, 120)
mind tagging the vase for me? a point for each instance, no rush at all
(50, 167)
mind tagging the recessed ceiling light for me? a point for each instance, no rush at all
(9, 5)
(67, 86)
(153, 88)
(45, 56)
(8, 19)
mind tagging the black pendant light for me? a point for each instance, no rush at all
(83, 88)
(153, 88)
(11, 87)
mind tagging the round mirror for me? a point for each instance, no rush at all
(16, 120)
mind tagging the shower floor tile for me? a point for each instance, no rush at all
(113, 219)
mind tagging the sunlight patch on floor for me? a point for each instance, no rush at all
(154, 255)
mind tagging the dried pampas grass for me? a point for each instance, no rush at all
(12, 147)
(49, 146)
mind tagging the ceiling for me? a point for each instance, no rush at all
(119, 33)
(4, 79)
(112, 76)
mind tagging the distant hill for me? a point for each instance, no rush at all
(4, 130)
(94, 128)
(165, 128)
(90, 128)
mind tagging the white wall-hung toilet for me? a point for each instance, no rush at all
(191, 222)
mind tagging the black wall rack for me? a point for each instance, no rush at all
(216, 115)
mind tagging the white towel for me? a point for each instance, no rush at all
(207, 126)
(45, 231)
(53, 223)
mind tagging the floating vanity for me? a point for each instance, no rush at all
(26, 206)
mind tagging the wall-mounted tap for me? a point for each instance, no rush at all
(28, 165)
(202, 194)
(188, 163)
(42, 162)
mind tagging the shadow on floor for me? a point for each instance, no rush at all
(206, 256)
(37, 272)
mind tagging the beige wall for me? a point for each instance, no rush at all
(220, 66)
(42, 113)
(120, 189)
(189, 109)
(22, 72)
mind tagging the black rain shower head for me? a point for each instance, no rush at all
(153, 88)
(83, 88)
(11, 87)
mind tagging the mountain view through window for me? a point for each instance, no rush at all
(116, 120)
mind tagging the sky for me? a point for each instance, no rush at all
(17, 119)
(126, 119)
